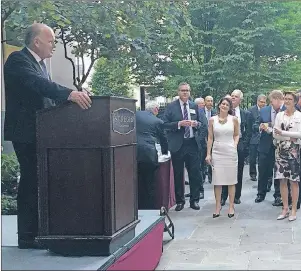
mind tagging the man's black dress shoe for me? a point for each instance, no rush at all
(277, 202)
(259, 199)
(187, 195)
(179, 207)
(187, 183)
(223, 202)
(29, 244)
(253, 178)
(194, 205)
(237, 201)
(202, 195)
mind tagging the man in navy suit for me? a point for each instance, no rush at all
(28, 88)
(266, 147)
(254, 110)
(184, 126)
(149, 130)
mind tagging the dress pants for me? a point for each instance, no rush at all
(203, 164)
(189, 155)
(253, 157)
(266, 163)
(240, 170)
(27, 199)
(146, 185)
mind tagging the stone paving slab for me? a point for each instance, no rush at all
(252, 240)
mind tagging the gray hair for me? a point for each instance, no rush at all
(261, 96)
(32, 32)
(276, 94)
(199, 100)
(150, 106)
(240, 93)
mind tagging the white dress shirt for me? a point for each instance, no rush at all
(189, 117)
(237, 114)
(36, 57)
(208, 113)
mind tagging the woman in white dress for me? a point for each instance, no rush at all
(287, 134)
(223, 138)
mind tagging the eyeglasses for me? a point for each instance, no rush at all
(184, 90)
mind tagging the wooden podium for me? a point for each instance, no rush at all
(87, 177)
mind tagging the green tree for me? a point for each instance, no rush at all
(111, 78)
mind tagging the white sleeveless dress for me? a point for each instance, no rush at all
(224, 153)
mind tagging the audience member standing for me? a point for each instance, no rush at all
(28, 88)
(253, 157)
(298, 107)
(287, 134)
(266, 147)
(149, 131)
(182, 123)
(209, 112)
(200, 103)
(245, 131)
(224, 137)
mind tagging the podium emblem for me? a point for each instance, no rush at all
(123, 121)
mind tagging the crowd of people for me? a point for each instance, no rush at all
(204, 140)
(215, 143)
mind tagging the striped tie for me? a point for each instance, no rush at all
(234, 112)
(187, 128)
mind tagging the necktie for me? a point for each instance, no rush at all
(44, 68)
(233, 112)
(187, 130)
(47, 102)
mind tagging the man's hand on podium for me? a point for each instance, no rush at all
(81, 98)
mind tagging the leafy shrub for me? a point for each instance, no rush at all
(8, 205)
(10, 172)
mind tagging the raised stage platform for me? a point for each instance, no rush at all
(135, 255)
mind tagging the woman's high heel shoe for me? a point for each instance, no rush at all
(231, 215)
(217, 215)
(292, 218)
(281, 217)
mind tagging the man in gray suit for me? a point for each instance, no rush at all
(254, 117)
(149, 130)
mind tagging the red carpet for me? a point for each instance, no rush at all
(145, 255)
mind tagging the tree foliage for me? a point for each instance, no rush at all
(215, 46)
(111, 77)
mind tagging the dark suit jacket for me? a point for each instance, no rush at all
(266, 139)
(254, 119)
(246, 132)
(172, 115)
(25, 89)
(149, 128)
(213, 112)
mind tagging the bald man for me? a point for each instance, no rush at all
(28, 88)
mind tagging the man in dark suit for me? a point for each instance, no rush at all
(182, 122)
(243, 144)
(254, 110)
(28, 88)
(209, 112)
(266, 147)
(149, 131)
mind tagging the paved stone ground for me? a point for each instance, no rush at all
(253, 240)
